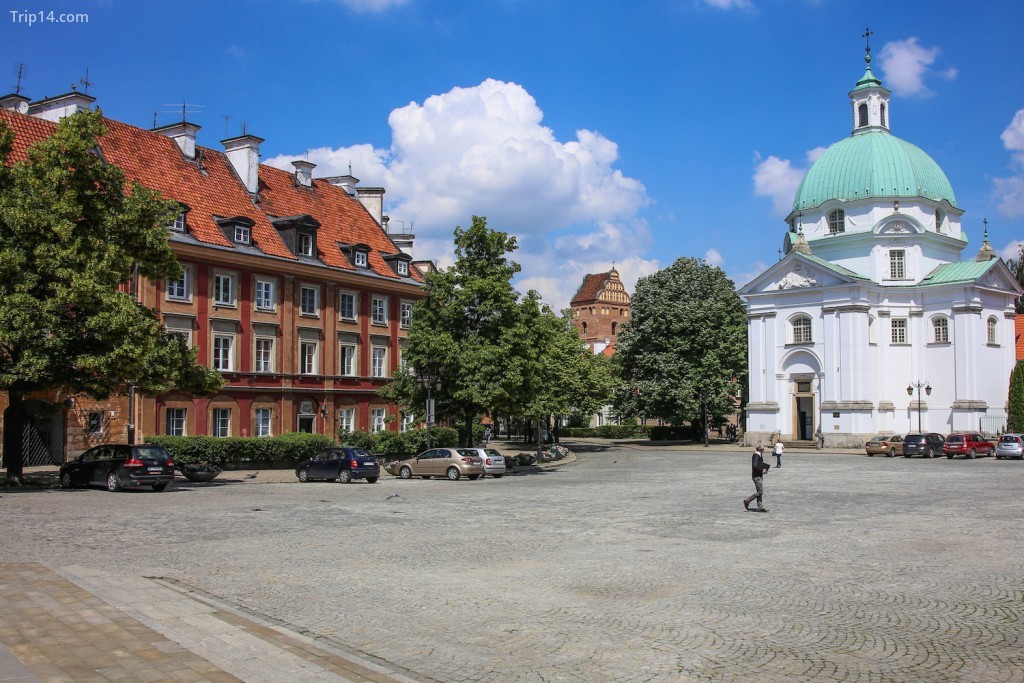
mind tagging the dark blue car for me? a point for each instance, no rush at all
(341, 464)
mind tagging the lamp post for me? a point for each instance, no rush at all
(927, 391)
(427, 382)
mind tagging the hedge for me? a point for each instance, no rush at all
(288, 448)
(682, 433)
(604, 432)
(400, 443)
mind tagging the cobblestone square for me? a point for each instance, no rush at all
(630, 564)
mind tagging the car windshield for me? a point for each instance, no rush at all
(151, 452)
(914, 438)
(491, 452)
(954, 439)
(360, 452)
(878, 438)
(1006, 438)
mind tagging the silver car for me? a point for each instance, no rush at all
(494, 462)
(1010, 446)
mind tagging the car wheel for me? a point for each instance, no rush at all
(892, 452)
(65, 480)
(371, 480)
(303, 475)
(160, 487)
(930, 453)
(344, 476)
(405, 473)
(113, 483)
(453, 473)
(970, 454)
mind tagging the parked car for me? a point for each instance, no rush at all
(968, 444)
(493, 461)
(340, 464)
(1010, 446)
(442, 462)
(928, 445)
(119, 466)
(889, 445)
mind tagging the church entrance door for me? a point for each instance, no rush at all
(803, 413)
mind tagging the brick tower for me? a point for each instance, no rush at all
(599, 308)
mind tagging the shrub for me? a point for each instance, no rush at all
(605, 432)
(291, 448)
(1015, 402)
(364, 440)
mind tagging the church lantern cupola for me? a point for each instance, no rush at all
(869, 99)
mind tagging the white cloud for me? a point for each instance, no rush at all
(744, 277)
(368, 6)
(713, 257)
(1011, 250)
(235, 51)
(905, 64)
(484, 151)
(1010, 190)
(779, 179)
(728, 4)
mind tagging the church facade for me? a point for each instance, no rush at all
(871, 322)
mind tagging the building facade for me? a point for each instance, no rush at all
(871, 322)
(292, 289)
(599, 308)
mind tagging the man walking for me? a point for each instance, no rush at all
(758, 468)
(778, 454)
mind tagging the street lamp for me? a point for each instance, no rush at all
(427, 382)
(927, 391)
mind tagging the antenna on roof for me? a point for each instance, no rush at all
(245, 127)
(185, 108)
(85, 82)
(154, 119)
(350, 167)
(226, 117)
(21, 74)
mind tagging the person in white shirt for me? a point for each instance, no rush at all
(778, 454)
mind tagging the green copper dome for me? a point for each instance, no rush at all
(872, 164)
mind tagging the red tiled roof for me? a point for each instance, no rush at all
(591, 288)
(211, 189)
(1018, 326)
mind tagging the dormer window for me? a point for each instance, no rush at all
(836, 222)
(403, 268)
(243, 234)
(305, 244)
(361, 259)
(178, 224)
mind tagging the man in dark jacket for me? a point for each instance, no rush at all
(757, 469)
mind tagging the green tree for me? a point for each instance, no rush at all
(466, 333)
(1016, 267)
(1015, 400)
(74, 238)
(684, 346)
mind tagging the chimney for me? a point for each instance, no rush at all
(345, 182)
(244, 154)
(304, 172)
(372, 199)
(56, 108)
(184, 134)
(14, 102)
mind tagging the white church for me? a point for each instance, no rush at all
(871, 322)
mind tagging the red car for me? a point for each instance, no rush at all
(967, 444)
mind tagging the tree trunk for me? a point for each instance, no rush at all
(469, 431)
(14, 426)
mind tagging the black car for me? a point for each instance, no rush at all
(341, 464)
(928, 445)
(117, 466)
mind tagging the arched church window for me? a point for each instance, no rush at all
(584, 328)
(836, 221)
(992, 339)
(883, 114)
(862, 115)
(802, 330)
(940, 329)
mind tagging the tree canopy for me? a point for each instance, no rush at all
(73, 238)
(685, 344)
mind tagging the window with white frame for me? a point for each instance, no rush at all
(899, 331)
(377, 420)
(223, 358)
(992, 338)
(379, 310)
(897, 264)
(175, 422)
(408, 421)
(265, 300)
(346, 419)
(308, 357)
(305, 244)
(180, 289)
(309, 300)
(836, 221)
(802, 330)
(263, 422)
(406, 314)
(263, 359)
(403, 268)
(360, 259)
(224, 289)
(178, 224)
(179, 326)
(379, 357)
(221, 422)
(940, 329)
(243, 234)
(347, 306)
(348, 360)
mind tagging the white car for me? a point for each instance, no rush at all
(494, 462)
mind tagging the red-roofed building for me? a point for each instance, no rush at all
(599, 307)
(292, 288)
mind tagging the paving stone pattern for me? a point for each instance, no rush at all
(630, 564)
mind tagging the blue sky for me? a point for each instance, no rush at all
(598, 132)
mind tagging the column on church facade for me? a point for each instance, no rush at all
(829, 383)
